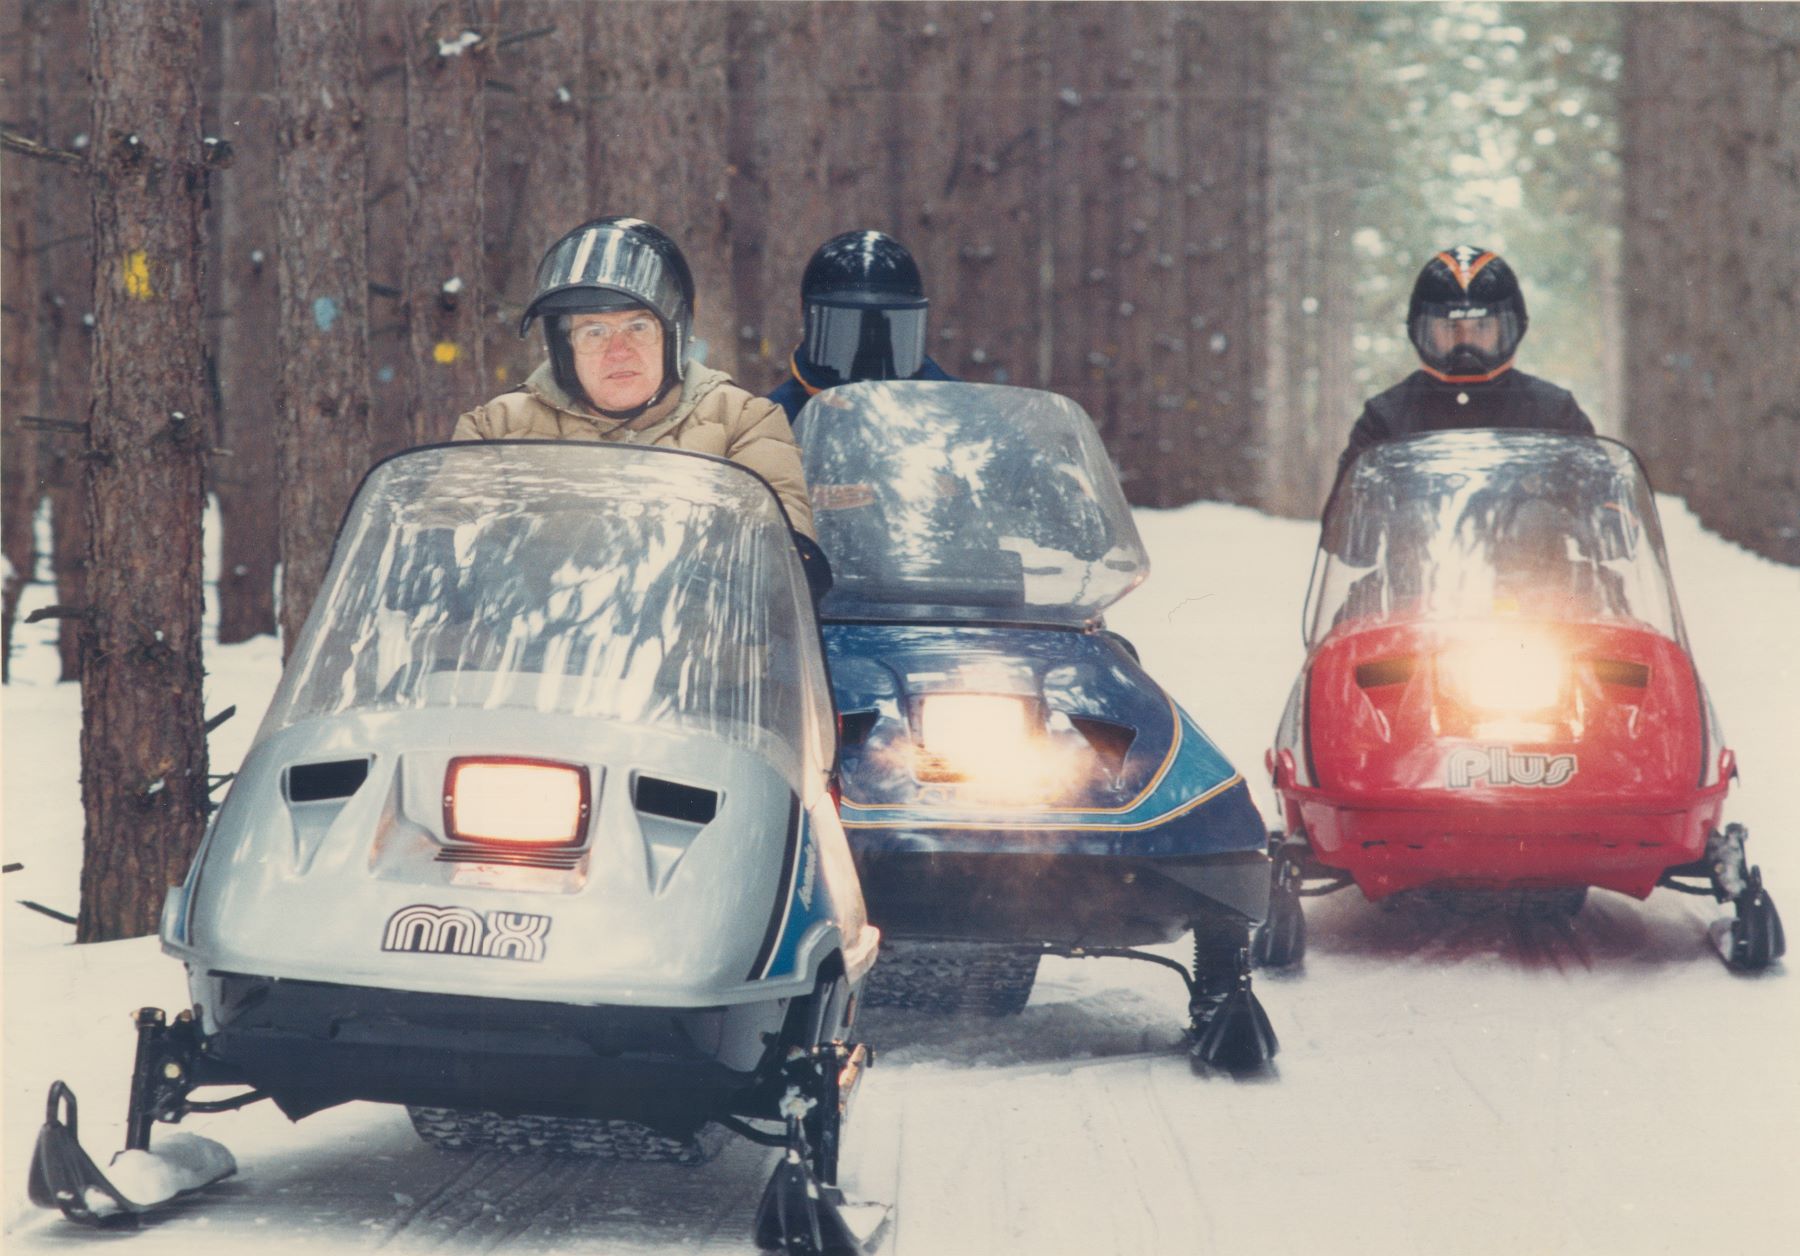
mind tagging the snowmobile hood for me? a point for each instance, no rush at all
(695, 874)
(1074, 748)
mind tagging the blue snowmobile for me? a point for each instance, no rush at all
(1014, 783)
(537, 839)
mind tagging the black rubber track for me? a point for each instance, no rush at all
(452, 1130)
(952, 977)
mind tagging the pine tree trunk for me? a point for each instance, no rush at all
(657, 144)
(539, 86)
(65, 314)
(772, 137)
(1153, 363)
(1084, 120)
(143, 751)
(19, 355)
(973, 210)
(445, 285)
(323, 333)
(1712, 210)
(387, 39)
(245, 204)
(1226, 92)
(1309, 395)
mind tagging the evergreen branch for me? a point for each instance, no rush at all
(42, 423)
(17, 143)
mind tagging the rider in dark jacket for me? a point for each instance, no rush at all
(1466, 320)
(863, 305)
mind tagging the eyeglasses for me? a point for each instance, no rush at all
(592, 338)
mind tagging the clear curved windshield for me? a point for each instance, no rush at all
(966, 501)
(1474, 524)
(631, 584)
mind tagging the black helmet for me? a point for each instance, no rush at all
(614, 263)
(1467, 315)
(864, 307)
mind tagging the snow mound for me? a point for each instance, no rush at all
(181, 1162)
(868, 1221)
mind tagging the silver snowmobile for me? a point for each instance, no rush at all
(537, 838)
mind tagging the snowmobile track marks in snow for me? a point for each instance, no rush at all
(500, 1200)
(482, 1204)
(1548, 944)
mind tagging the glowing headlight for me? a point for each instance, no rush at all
(965, 728)
(1508, 672)
(515, 802)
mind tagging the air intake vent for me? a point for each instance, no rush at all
(560, 858)
(1395, 671)
(855, 726)
(654, 796)
(321, 782)
(1619, 672)
(1110, 741)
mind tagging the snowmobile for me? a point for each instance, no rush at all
(537, 838)
(1014, 783)
(1498, 702)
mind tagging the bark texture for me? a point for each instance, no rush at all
(19, 357)
(445, 283)
(246, 208)
(1309, 391)
(65, 319)
(387, 39)
(143, 752)
(1712, 246)
(656, 144)
(323, 334)
(538, 86)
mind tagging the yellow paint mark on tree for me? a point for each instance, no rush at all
(137, 276)
(501, 373)
(445, 352)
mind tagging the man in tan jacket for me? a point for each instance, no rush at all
(617, 300)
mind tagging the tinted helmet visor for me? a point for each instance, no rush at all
(853, 340)
(1464, 338)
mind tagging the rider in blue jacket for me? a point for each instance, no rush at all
(863, 305)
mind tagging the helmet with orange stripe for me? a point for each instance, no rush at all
(1467, 315)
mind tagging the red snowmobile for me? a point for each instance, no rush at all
(1498, 698)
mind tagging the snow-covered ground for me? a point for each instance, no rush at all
(1444, 1085)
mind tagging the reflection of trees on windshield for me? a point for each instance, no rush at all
(1478, 523)
(965, 495)
(662, 596)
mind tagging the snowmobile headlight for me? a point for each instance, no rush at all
(533, 802)
(1508, 671)
(963, 729)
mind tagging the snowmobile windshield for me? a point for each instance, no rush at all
(633, 584)
(965, 501)
(1482, 524)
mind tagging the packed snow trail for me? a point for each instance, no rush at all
(1446, 1084)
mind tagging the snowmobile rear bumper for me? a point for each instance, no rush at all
(1066, 900)
(312, 1045)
